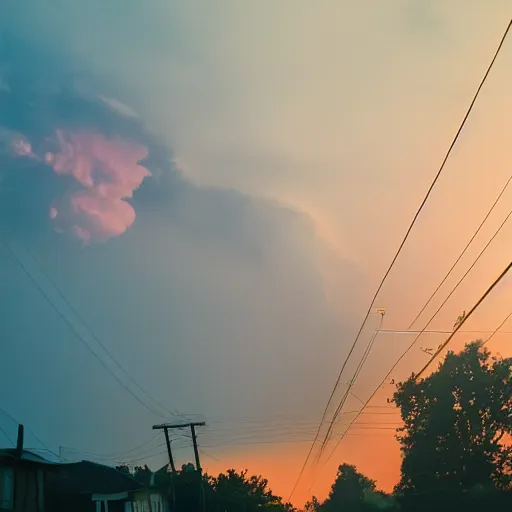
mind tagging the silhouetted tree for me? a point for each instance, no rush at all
(348, 491)
(237, 492)
(140, 473)
(455, 422)
(313, 505)
(124, 469)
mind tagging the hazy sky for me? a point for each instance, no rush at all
(303, 136)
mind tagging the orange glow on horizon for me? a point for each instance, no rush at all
(376, 453)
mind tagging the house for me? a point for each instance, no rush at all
(158, 491)
(89, 487)
(168, 489)
(22, 478)
(149, 499)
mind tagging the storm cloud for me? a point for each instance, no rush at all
(208, 296)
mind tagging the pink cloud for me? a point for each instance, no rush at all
(102, 218)
(19, 146)
(108, 171)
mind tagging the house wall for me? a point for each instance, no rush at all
(110, 506)
(24, 484)
(6, 486)
(82, 503)
(69, 503)
(147, 501)
(28, 495)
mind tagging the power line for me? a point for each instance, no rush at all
(464, 319)
(122, 458)
(480, 254)
(463, 252)
(362, 431)
(444, 345)
(362, 427)
(113, 455)
(365, 405)
(472, 310)
(432, 317)
(210, 456)
(94, 336)
(263, 425)
(36, 437)
(4, 432)
(498, 329)
(263, 429)
(349, 387)
(434, 331)
(145, 457)
(402, 244)
(73, 329)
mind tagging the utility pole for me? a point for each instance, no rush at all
(19, 442)
(169, 451)
(196, 450)
(166, 427)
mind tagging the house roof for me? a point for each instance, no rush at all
(164, 470)
(154, 478)
(27, 456)
(90, 478)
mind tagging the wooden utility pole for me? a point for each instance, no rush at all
(19, 442)
(169, 451)
(196, 450)
(167, 426)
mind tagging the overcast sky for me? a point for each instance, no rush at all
(300, 138)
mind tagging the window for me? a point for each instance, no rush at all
(6, 488)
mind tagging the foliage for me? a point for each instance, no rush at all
(236, 491)
(228, 492)
(455, 441)
(124, 469)
(348, 489)
(313, 505)
(352, 492)
(455, 424)
(379, 500)
(140, 473)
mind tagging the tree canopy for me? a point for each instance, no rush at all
(456, 422)
(141, 473)
(237, 491)
(348, 489)
(455, 441)
(352, 492)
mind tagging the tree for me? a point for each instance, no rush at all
(124, 469)
(140, 473)
(313, 505)
(237, 492)
(455, 422)
(348, 491)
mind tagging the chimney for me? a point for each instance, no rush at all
(19, 444)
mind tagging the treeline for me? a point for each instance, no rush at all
(232, 491)
(455, 442)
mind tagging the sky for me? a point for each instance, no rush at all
(212, 190)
